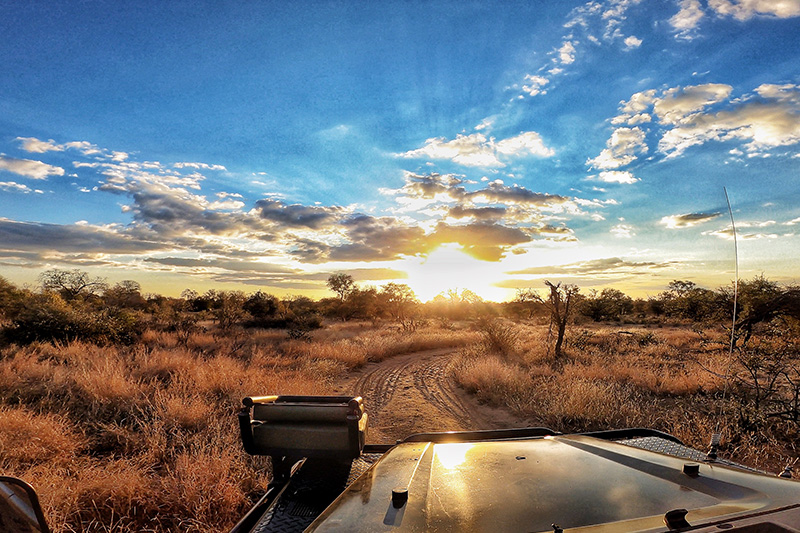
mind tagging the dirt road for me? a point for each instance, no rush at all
(414, 393)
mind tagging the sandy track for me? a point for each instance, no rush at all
(414, 393)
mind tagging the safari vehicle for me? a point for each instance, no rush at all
(326, 478)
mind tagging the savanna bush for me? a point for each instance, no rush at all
(47, 317)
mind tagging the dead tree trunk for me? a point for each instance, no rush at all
(559, 304)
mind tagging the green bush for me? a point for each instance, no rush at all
(47, 317)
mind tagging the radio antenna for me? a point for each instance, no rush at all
(716, 436)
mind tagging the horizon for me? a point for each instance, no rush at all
(439, 145)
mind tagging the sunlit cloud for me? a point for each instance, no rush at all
(677, 105)
(762, 124)
(688, 220)
(688, 18)
(476, 150)
(729, 235)
(694, 115)
(747, 9)
(28, 168)
(622, 149)
(473, 150)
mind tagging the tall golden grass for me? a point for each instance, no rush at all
(662, 378)
(144, 438)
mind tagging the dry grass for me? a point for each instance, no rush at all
(144, 438)
(661, 378)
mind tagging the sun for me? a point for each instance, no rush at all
(447, 268)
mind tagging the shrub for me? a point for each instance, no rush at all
(499, 336)
(47, 317)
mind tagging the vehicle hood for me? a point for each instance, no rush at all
(574, 482)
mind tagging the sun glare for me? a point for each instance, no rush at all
(447, 268)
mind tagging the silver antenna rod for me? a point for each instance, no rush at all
(716, 437)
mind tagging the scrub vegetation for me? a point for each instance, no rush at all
(119, 407)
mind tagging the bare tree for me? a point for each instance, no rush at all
(71, 283)
(559, 303)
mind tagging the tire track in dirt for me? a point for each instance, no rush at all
(415, 392)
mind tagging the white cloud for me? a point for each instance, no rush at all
(728, 234)
(632, 42)
(747, 9)
(486, 123)
(34, 145)
(534, 84)
(476, 150)
(85, 147)
(566, 54)
(784, 93)
(13, 186)
(28, 168)
(224, 195)
(687, 19)
(621, 149)
(632, 111)
(199, 166)
(528, 142)
(623, 231)
(617, 176)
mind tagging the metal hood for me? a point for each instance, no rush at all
(575, 482)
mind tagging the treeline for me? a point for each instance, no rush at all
(71, 304)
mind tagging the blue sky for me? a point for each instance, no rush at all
(480, 145)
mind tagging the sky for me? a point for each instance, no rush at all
(443, 144)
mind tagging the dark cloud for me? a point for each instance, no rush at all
(379, 239)
(70, 238)
(297, 215)
(174, 211)
(222, 263)
(430, 185)
(266, 283)
(478, 213)
(310, 251)
(595, 266)
(497, 192)
(688, 220)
